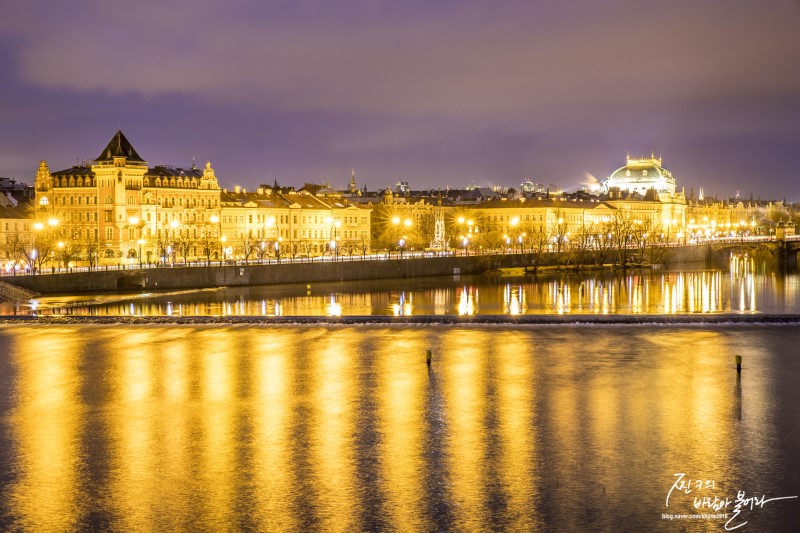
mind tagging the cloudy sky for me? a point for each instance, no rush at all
(434, 92)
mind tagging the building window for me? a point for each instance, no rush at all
(43, 201)
(109, 235)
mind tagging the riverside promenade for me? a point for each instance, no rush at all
(287, 271)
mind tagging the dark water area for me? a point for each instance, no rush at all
(743, 288)
(342, 428)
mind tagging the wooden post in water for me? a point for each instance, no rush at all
(428, 358)
(738, 359)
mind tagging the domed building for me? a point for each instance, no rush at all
(641, 175)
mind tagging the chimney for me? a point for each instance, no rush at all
(237, 189)
(260, 191)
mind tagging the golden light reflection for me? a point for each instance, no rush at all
(333, 425)
(179, 428)
(403, 305)
(515, 396)
(47, 426)
(218, 371)
(514, 301)
(131, 427)
(696, 423)
(334, 308)
(465, 398)
(467, 299)
(403, 384)
(272, 408)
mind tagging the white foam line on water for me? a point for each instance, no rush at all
(424, 320)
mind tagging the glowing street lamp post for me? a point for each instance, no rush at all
(216, 220)
(135, 222)
(60, 254)
(38, 227)
(140, 242)
(332, 238)
(396, 223)
(173, 226)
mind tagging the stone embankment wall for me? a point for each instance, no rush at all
(13, 293)
(197, 277)
(191, 277)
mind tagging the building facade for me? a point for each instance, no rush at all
(117, 210)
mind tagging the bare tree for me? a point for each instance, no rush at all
(247, 245)
(537, 239)
(183, 245)
(262, 250)
(92, 250)
(363, 246)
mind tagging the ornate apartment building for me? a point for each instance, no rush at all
(116, 210)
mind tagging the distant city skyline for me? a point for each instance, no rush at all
(436, 94)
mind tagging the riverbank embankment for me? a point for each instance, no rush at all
(180, 277)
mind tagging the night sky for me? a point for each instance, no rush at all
(434, 92)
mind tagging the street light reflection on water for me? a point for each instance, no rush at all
(344, 428)
(741, 289)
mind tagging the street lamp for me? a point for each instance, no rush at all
(402, 243)
(214, 219)
(397, 222)
(60, 253)
(222, 248)
(332, 234)
(140, 242)
(173, 226)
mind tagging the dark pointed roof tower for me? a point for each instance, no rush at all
(119, 146)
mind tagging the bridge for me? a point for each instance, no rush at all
(783, 251)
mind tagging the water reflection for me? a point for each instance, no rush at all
(46, 433)
(342, 429)
(744, 288)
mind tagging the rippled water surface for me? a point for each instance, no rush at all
(145, 428)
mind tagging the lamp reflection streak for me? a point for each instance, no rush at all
(217, 373)
(131, 430)
(332, 419)
(518, 433)
(46, 428)
(271, 412)
(401, 401)
(464, 394)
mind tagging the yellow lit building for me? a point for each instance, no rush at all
(17, 249)
(117, 210)
(291, 223)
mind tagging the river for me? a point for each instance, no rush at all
(131, 427)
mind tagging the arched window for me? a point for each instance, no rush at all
(109, 253)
